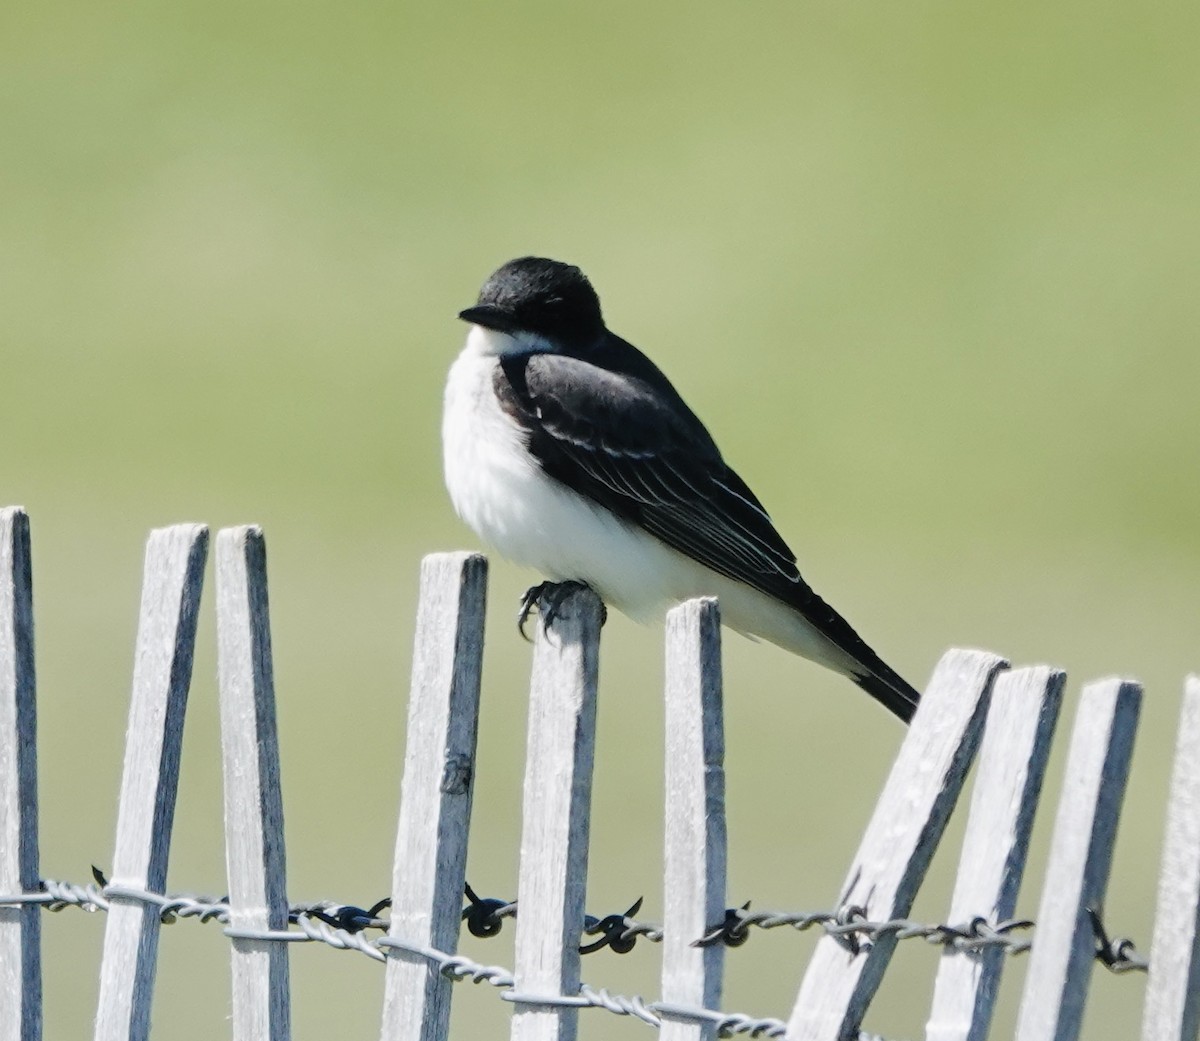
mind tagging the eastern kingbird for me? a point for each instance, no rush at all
(569, 451)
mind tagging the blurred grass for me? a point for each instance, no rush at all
(928, 272)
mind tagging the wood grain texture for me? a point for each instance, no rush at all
(1085, 830)
(555, 817)
(435, 804)
(254, 850)
(899, 843)
(695, 850)
(162, 673)
(20, 927)
(1008, 781)
(1172, 1010)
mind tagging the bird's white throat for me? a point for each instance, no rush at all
(492, 343)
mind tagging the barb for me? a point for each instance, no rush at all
(486, 917)
(1117, 954)
(618, 931)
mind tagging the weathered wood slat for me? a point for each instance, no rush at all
(555, 818)
(1008, 780)
(20, 927)
(898, 844)
(695, 839)
(435, 805)
(254, 850)
(1172, 1010)
(162, 672)
(1060, 964)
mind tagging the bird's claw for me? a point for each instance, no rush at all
(529, 600)
(548, 598)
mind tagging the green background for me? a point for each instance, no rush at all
(927, 270)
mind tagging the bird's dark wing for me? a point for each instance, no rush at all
(615, 440)
(627, 442)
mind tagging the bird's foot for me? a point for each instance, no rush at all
(548, 598)
(529, 600)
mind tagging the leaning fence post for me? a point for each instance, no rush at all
(1008, 781)
(1060, 964)
(1172, 1011)
(20, 926)
(435, 804)
(898, 844)
(695, 841)
(555, 819)
(254, 852)
(162, 673)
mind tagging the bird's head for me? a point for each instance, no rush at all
(538, 305)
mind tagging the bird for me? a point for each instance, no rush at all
(566, 449)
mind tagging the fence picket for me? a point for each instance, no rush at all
(1008, 780)
(435, 805)
(1060, 964)
(1172, 1011)
(20, 926)
(970, 705)
(898, 844)
(162, 672)
(695, 839)
(254, 850)
(555, 819)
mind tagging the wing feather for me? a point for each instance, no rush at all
(621, 442)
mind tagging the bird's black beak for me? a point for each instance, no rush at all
(489, 316)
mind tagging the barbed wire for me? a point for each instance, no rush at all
(343, 927)
(485, 916)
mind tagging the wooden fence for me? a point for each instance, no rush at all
(973, 704)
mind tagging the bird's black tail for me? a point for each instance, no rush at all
(868, 670)
(886, 687)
